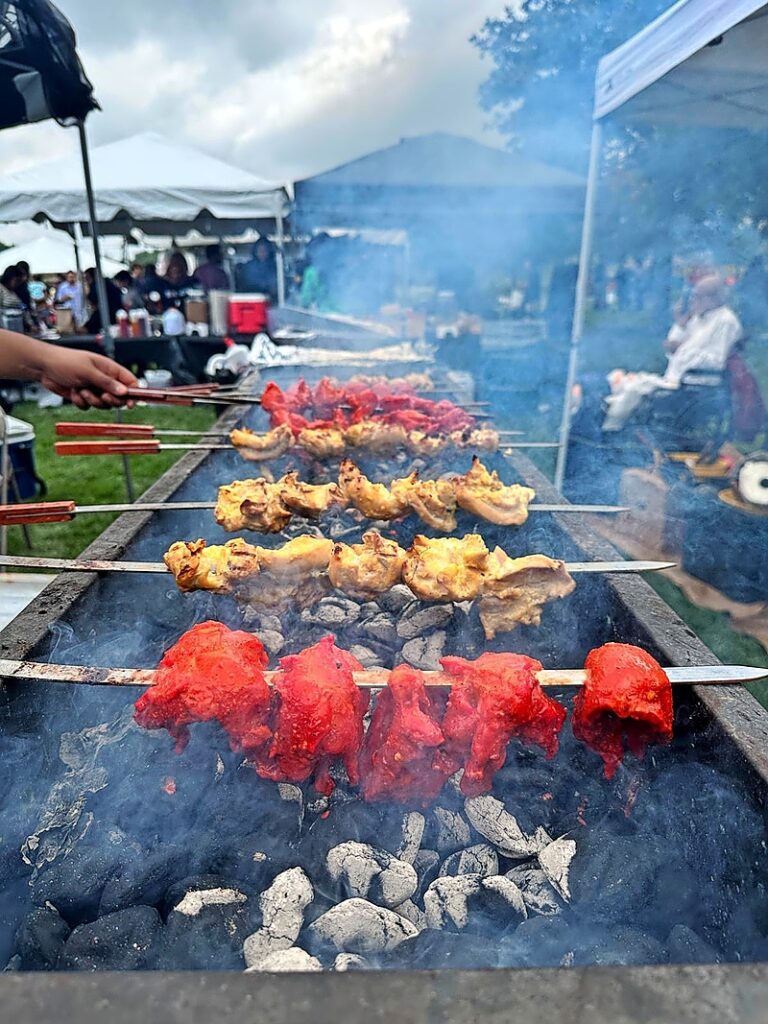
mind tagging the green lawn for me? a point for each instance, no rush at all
(93, 480)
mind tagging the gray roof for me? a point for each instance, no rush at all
(440, 160)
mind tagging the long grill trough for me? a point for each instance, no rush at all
(121, 855)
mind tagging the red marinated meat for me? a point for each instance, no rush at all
(493, 699)
(318, 717)
(626, 697)
(326, 398)
(212, 674)
(399, 761)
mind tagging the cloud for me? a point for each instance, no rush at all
(284, 88)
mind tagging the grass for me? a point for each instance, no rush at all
(93, 480)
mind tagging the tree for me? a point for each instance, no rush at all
(545, 55)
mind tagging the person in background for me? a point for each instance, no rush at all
(83, 378)
(69, 295)
(37, 292)
(137, 273)
(211, 275)
(177, 281)
(699, 340)
(9, 282)
(22, 289)
(114, 301)
(129, 291)
(151, 281)
(259, 274)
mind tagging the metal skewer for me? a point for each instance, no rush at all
(64, 511)
(151, 446)
(373, 679)
(97, 565)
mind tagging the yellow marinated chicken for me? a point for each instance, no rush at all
(323, 443)
(368, 568)
(220, 568)
(309, 500)
(434, 501)
(483, 439)
(252, 505)
(300, 555)
(260, 447)
(427, 445)
(483, 494)
(375, 501)
(375, 436)
(446, 568)
(516, 590)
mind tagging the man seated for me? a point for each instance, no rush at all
(701, 341)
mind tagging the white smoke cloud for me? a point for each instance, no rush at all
(284, 89)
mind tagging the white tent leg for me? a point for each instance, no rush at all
(280, 261)
(582, 286)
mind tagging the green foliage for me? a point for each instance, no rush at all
(545, 55)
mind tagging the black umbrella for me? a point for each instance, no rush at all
(41, 77)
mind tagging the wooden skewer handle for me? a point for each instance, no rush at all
(128, 431)
(39, 512)
(146, 447)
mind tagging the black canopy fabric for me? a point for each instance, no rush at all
(41, 75)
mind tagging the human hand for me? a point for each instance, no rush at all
(85, 378)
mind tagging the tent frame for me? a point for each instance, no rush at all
(665, 44)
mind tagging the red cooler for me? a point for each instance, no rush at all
(248, 314)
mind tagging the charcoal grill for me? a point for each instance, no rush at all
(85, 619)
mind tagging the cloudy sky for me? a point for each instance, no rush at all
(283, 88)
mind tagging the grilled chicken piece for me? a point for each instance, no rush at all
(420, 443)
(516, 590)
(375, 501)
(484, 439)
(322, 443)
(309, 500)
(484, 495)
(300, 555)
(375, 436)
(219, 567)
(252, 505)
(368, 568)
(434, 501)
(446, 569)
(260, 447)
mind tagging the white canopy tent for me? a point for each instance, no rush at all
(703, 62)
(54, 253)
(148, 181)
(144, 180)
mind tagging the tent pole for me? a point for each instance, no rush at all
(579, 311)
(280, 261)
(101, 288)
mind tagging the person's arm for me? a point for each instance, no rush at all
(84, 378)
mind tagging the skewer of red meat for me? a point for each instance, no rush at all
(212, 674)
(318, 718)
(493, 700)
(298, 403)
(626, 697)
(400, 760)
(313, 714)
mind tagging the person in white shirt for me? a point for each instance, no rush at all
(703, 341)
(69, 294)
